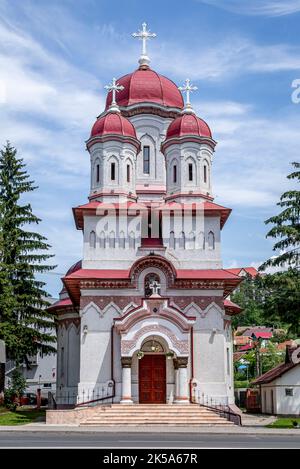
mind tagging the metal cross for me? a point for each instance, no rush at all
(188, 88)
(114, 87)
(154, 286)
(144, 35)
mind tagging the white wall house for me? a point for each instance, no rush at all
(280, 387)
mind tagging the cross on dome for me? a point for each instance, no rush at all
(144, 35)
(154, 286)
(114, 87)
(188, 88)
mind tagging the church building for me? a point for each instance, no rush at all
(144, 317)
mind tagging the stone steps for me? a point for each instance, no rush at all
(153, 415)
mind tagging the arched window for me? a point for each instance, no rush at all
(149, 280)
(182, 240)
(146, 159)
(175, 173)
(112, 239)
(192, 239)
(172, 240)
(102, 240)
(97, 172)
(205, 173)
(113, 171)
(211, 240)
(201, 240)
(128, 172)
(92, 239)
(132, 240)
(122, 240)
(190, 171)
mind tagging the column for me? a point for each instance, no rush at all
(175, 363)
(183, 389)
(126, 380)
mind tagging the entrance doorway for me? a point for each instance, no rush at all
(152, 379)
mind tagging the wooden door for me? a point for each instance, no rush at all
(152, 379)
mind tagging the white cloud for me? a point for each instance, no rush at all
(258, 7)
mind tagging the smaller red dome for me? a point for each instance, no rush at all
(113, 123)
(188, 124)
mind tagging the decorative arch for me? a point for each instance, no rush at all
(92, 239)
(102, 240)
(211, 240)
(150, 277)
(113, 159)
(153, 261)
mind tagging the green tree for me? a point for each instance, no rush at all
(286, 227)
(271, 357)
(24, 322)
(249, 296)
(282, 300)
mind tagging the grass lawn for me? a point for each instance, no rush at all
(20, 417)
(284, 423)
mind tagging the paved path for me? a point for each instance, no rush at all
(149, 440)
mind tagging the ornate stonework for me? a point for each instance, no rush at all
(128, 345)
(152, 262)
(122, 302)
(126, 362)
(202, 302)
(182, 362)
(66, 322)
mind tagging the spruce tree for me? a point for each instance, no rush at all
(287, 227)
(25, 324)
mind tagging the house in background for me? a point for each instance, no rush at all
(280, 387)
(41, 373)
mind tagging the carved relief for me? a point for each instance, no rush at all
(122, 302)
(181, 345)
(202, 302)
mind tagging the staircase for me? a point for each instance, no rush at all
(153, 415)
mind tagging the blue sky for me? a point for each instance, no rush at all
(55, 58)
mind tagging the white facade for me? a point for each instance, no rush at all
(282, 396)
(134, 238)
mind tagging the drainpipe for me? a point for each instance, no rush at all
(192, 364)
(112, 359)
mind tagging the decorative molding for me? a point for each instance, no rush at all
(183, 302)
(152, 262)
(126, 362)
(181, 345)
(182, 362)
(102, 303)
(67, 322)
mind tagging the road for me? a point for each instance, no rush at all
(147, 440)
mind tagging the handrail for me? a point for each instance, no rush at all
(99, 399)
(226, 412)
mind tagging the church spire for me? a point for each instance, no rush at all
(144, 35)
(114, 87)
(188, 88)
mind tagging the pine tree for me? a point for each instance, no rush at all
(24, 321)
(287, 227)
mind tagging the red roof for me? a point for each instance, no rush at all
(244, 348)
(188, 124)
(113, 123)
(250, 270)
(146, 85)
(210, 209)
(232, 307)
(263, 335)
(61, 304)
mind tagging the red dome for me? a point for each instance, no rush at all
(145, 85)
(188, 124)
(113, 123)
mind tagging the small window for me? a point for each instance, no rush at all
(113, 171)
(146, 160)
(205, 173)
(98, 173)
(47, 385)
(289, 391)
(190, 171)
(128, 173)
(175, 173)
